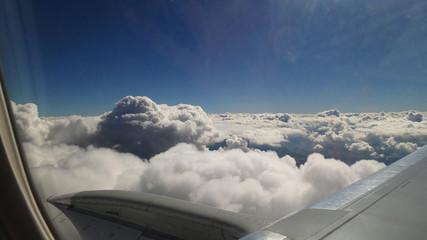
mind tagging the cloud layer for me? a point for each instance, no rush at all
(262, 163)
(385, 137)
(73, 130)
(253, 182)
(140, 126)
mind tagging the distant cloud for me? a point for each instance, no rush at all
(415, 116)
(350, 137)
(263, 164)
(136, 125)
(281, 117)
(332, 112)
(140, 126)
(284, 117)
(235, 142)
(253, 182)
(75, 130)
(360, 146)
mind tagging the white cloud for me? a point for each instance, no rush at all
(366, 167)
(360, 146)
(349, 137)
(140, 126)
(69, 130)
(332, 112)
(407, 146)
(258, 129)
(234, 142)
(251, 171)
(32, 128)
(60, 169)
(253, 182)
(415, 116)
(317, 147)
(284, 117)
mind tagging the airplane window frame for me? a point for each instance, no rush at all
(22, 215)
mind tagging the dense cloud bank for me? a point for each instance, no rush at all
(140, 126)
(263, 164)
(136, 125)
(385, 137)
(254, 182)
(73, 130)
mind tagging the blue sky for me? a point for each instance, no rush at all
(300, 56)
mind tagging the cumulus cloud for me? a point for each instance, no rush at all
(258, 129)
(403, 146)
(332, 112)
(349, 137)
(32, 128)
(284, 117)
(360, 146)
(136, 125)
(75, 130)
(262, 163)
(253, 182)
(317, 147)
(140, 126)
(281, 117)
(61, 169)
(365, 168)
(235, 142)
(415, 116)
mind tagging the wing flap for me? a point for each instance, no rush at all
(399, 214)
(314, 220)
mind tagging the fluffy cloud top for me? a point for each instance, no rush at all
(415, 117)
(253, 182)
(235, 142)
(385, 137)
(60, 169)
(75, 130)
(332, 112)
(263, 164)
(31, 127)
(140, 126)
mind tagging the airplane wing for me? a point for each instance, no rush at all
(113, 214)
(390, 204)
